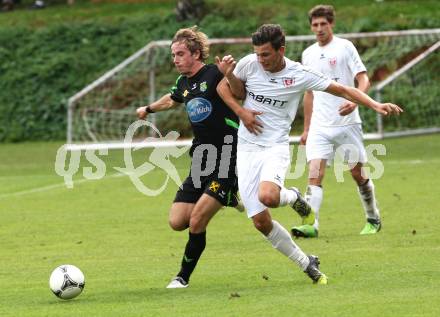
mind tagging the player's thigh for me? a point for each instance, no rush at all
(350, 146)
(276, 162)
(186, 198)
(249, 164)
(319, 144)
(205, 208)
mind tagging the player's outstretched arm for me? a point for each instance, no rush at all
(163, 103)
(357, 96)
(248, 117)
(363, 84)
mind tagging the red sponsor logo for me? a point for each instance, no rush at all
(332, 61)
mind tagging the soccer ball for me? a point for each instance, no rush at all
(66, 281)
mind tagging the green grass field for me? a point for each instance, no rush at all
(121, 241)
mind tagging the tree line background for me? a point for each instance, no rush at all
(48, 55)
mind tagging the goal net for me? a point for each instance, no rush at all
(404, 68)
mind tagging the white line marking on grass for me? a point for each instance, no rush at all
(118, 174)
(53, 186)
(410, 162)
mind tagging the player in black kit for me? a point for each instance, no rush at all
(212, 181)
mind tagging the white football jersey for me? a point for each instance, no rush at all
(276, 95)
(340, 61)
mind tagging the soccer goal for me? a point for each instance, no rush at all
(404, 67)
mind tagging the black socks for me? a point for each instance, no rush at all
(193, 250)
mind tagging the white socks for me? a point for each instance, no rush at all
(281, 240)
(314, 196)
(368, 199)
(287, 196)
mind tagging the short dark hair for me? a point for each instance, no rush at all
(269, 33)
(321, 10)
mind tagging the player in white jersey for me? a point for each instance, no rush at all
(271, 86)
(331, 122)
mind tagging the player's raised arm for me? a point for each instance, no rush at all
(357, 96)
(227, 65)
(248, 117)
(163, 103)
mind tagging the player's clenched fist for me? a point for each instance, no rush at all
(142, 112)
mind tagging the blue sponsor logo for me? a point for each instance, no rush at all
(198, 109)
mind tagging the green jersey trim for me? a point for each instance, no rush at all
(175, 85)
(231, 123)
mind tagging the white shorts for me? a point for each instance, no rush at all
(256, 164)
(346, 141)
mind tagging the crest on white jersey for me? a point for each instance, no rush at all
(288, 81)
(332, 61)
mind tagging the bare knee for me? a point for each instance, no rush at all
(269, 199)
(177, 224)
(263, 224)
(269, 194)
(179, 216)
(178, 221)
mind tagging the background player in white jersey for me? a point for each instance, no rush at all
(271, 86)
(331, 122)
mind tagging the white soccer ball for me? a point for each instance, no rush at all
(66, 281)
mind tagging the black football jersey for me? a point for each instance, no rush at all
(211, 119)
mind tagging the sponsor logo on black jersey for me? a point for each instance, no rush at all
(198, 109)
(203, 86)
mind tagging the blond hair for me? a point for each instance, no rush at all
(194, 41)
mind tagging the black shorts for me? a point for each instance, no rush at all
(222, 189)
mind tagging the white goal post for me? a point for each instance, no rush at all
(404, 67)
